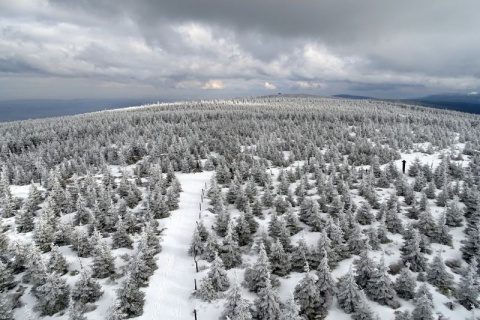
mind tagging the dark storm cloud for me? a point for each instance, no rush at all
(319, 45)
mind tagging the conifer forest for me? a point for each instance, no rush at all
(270, 208)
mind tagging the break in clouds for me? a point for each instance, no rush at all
(191, 48)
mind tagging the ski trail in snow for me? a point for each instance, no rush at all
(170, 287)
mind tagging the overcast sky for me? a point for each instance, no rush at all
(228, 48)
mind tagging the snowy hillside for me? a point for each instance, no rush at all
(267, 208)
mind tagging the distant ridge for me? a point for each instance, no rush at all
(349, 96)
(465, 102)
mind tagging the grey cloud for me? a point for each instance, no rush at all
(370, 45)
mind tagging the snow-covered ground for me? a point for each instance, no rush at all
(168, 294)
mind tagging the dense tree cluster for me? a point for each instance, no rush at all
(98, 184)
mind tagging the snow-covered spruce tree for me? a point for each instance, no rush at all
(405, 284)
(426, 224)
(6, 278)
(6, 309)
(326, 286)
(443, 196)
(382, 232)
(257, 208)
(273, 226)
(207, 292)
(355, 242)
(138, 268)
(365, 267)
(121, 238)
(115, 311)
(267, 304)
(290, 310)
(373, 239)
(403, 315)
(86, 289)
(299, 255)
(218, 275)
(307, 295)
(442, 234)
(222, 219)
(324, 244)
(471, 245)
(230, 251)
(242, 228)
(420, 182)
(57, 262)
(379, 287)
(103, 261)
(347, 292)
(211, 248)
(131, 299)
(236, 307)
(76, 311)
(279, 261)
(364, 214)
(36, 266)
(414, 211)
(468, 288)
(24, 221)
(393, 221)
(453, 214)
(44, 232)
(411, 254)
(438, 275)
(196, 244)
(363, 311)
(53, 295)
(430, 191)
(424, 290)
(202, 231)
(81, 243)
(82, 215)
(409, 194)
(423, 309)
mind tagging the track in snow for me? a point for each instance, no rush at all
(168, 294)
